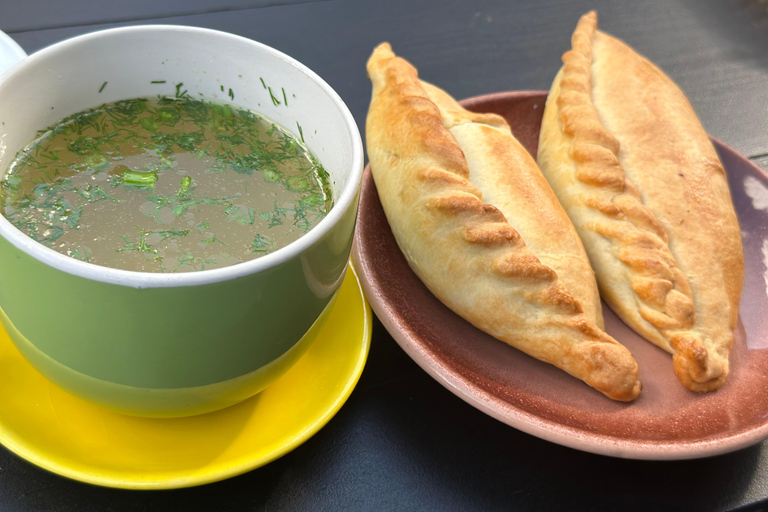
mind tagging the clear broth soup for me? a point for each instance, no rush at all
(165, 185)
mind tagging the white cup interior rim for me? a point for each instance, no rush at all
(154, 280)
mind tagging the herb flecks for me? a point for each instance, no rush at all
(161, 156)
(179, 93)
(195, 263)
(262, 245)
(272, 96)
(147, 239)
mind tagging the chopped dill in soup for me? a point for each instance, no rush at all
(165, 185)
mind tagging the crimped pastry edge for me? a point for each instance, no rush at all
(452, 200)
(656, 281)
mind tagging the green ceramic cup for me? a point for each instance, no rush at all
(165, 345)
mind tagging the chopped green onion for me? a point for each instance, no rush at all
(96, 161)
(271, 176)
(139, 178)
(297, 183)
(148, 124)
(186, 182)
(314, 200)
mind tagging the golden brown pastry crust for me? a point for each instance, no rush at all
(507, 177)
(634, 169)
(463, 248)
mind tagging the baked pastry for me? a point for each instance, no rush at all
(633, 167)
(433, 163)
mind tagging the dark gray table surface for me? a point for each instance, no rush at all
(402, 441)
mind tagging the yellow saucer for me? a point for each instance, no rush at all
(74, 438)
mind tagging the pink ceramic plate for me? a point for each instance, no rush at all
(666, 422)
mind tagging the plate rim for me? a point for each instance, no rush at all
(302, 433)
(530, 423)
